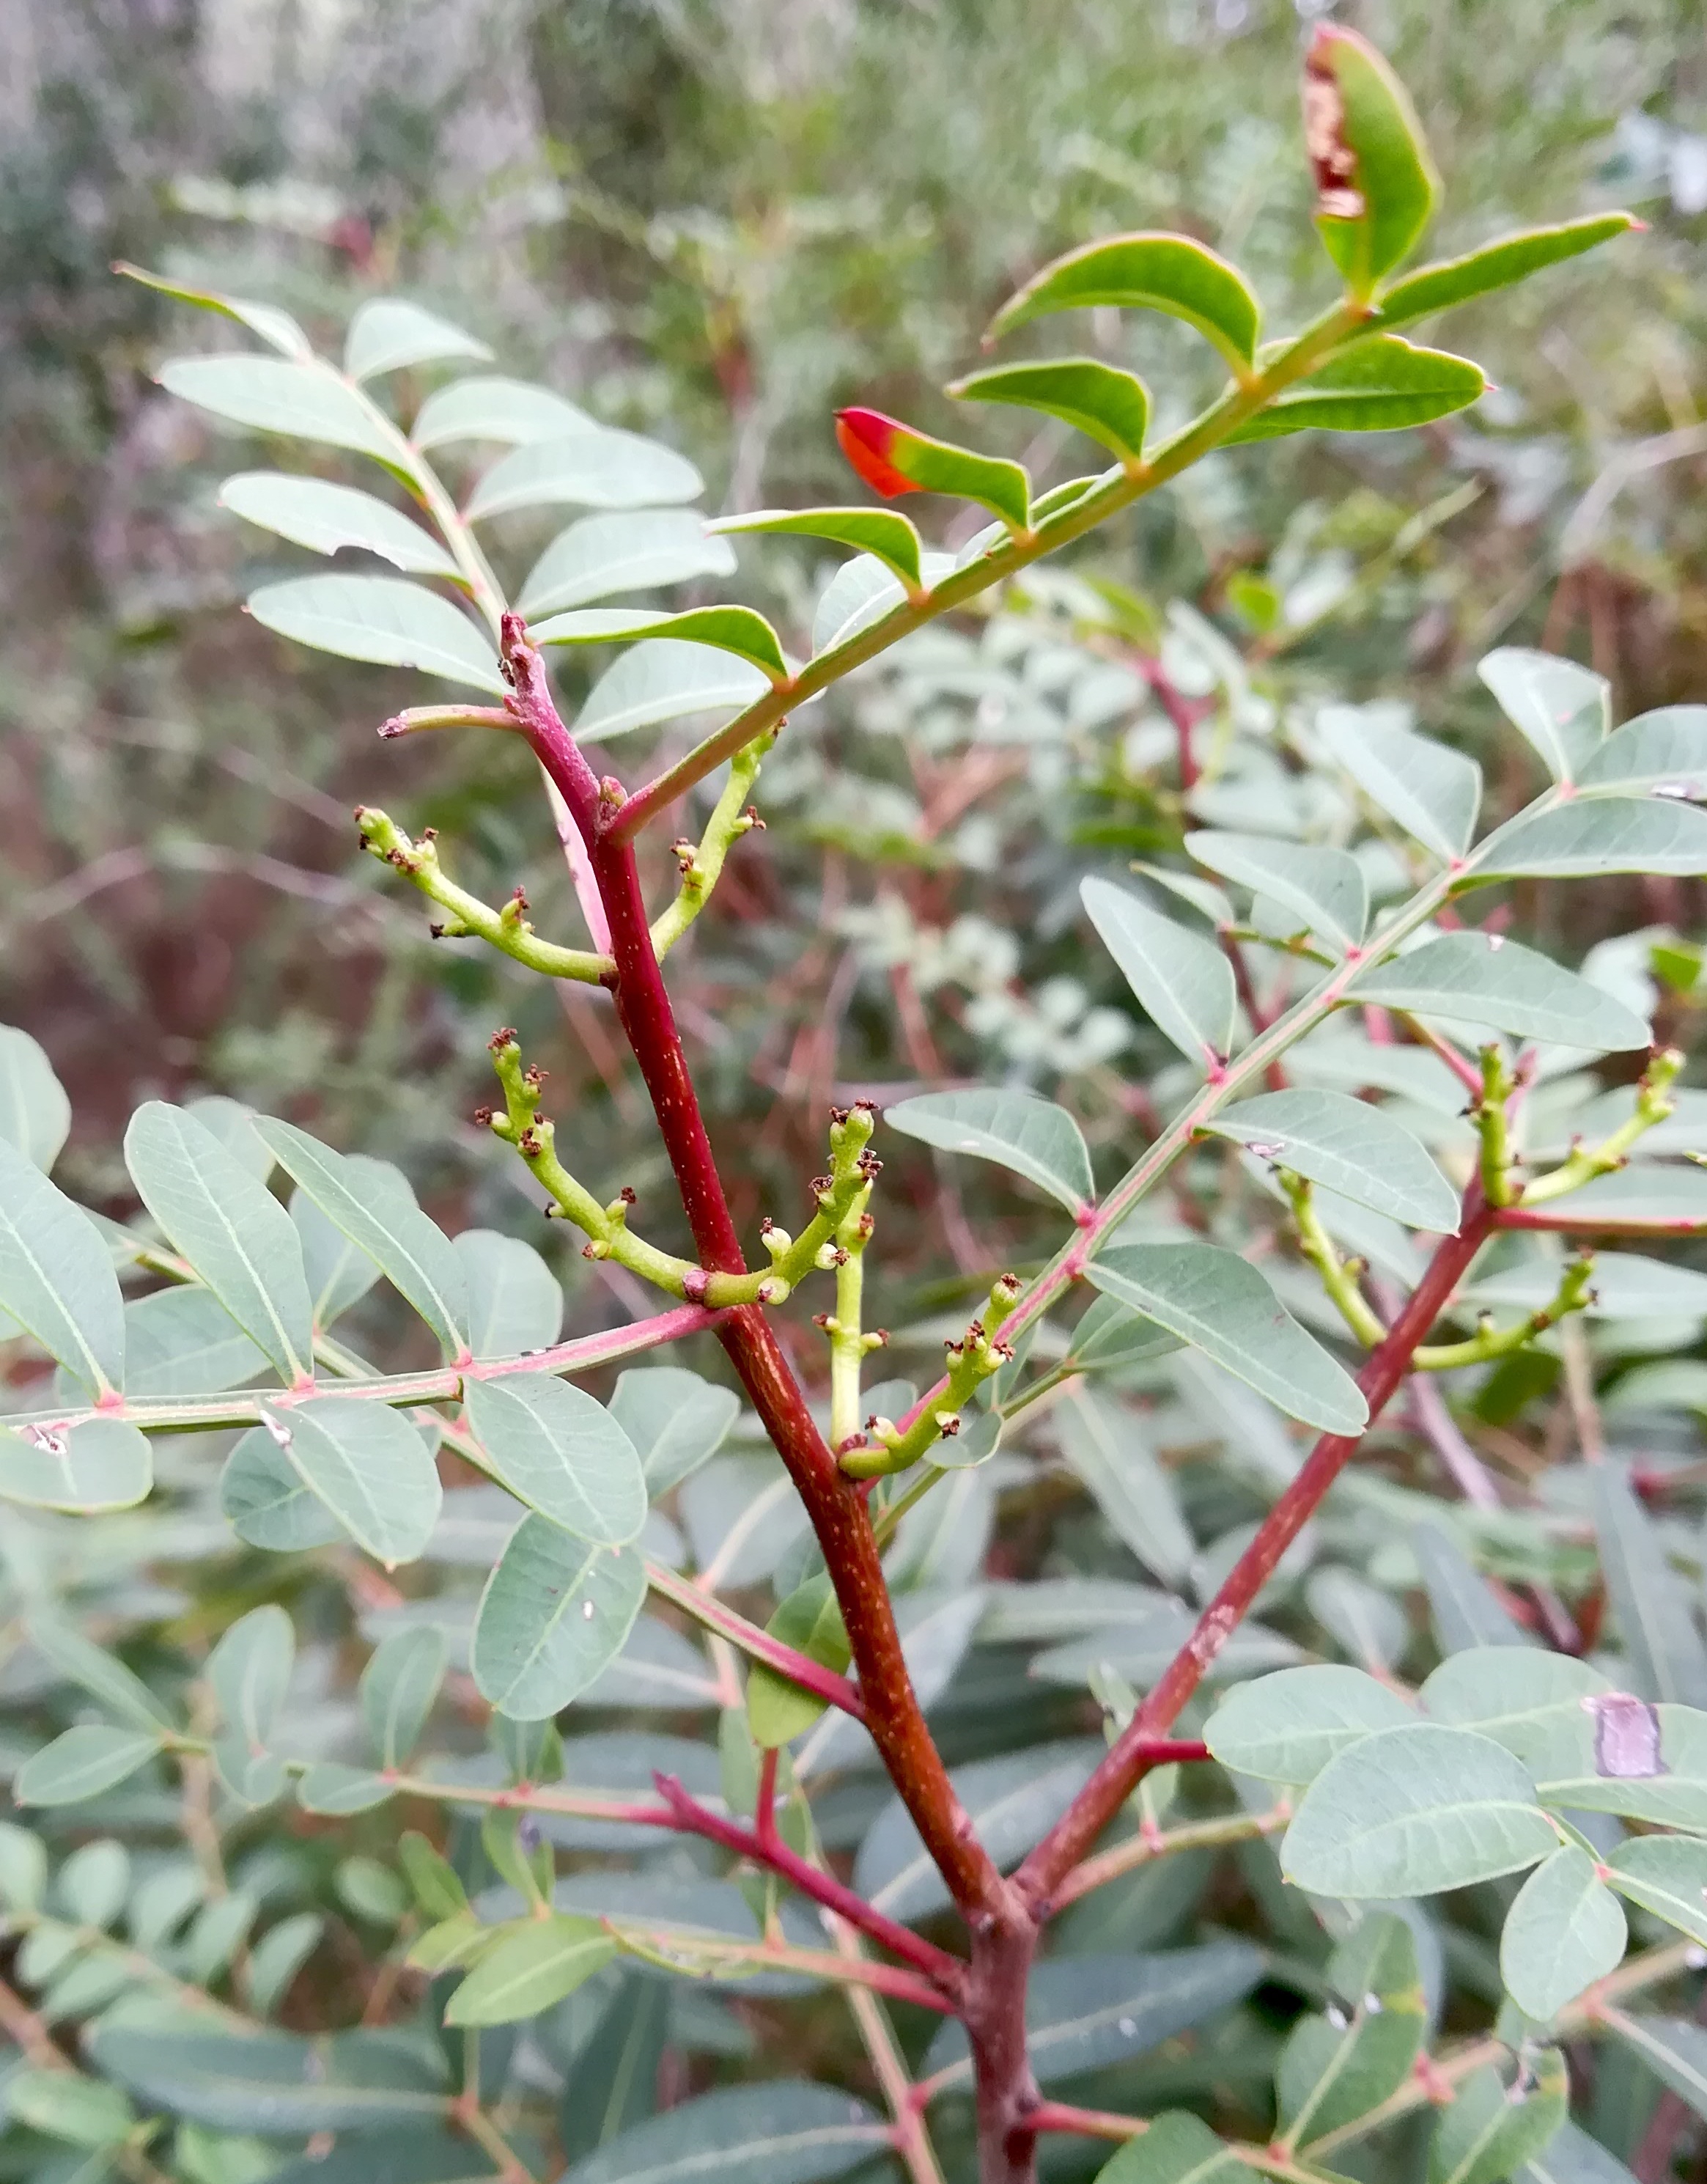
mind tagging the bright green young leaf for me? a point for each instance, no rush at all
(882, 533)
(1490, 2130)
(1482, 978)
(555, 1613)
(1653, 1608)
(276, 2084)
(1518, 1695)
(369, 1467)
(1414, 1810)
(514, 1300)
(1662, 751)
(267, 1503)
(512, 412)
(184, 1342)
(84, 1470)
(1340, 2066)
(561, 1453)
(1167, 273)
(412, 1252)
(398, 1689)
(1177, 2149)
(784, 2131)
(1350, 1146)
(529, 1969)
(1381, 384)
(1434, 792)
(737, 630)
(1286, 1727)
(1326, 888)
(84, 1762)
(1562, 709)
(1183, 982)
(663, 679)
(66, 2106)
(383, 620)
(325, 517)
(232, 1230)
(629, 551)
(1112, 406)
(602, 468)
(1498, 264)
(1376, 184)
(1564, 1930)
(1595, 835)
(1217, 1302)
(35, 1113)
(387, 334)
(675, 1420)
(297, 401)
(810, 1620)
(56, 1276)
(1029, 1136)
(275, 326)
(1091, 2013)
(1667, 1876)
(102, 1674)
(1102, 1443)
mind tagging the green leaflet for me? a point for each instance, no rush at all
(1562, 710)
(276, 2083)
(1433, 792)
(102, 1674)
(1663, 749)
(1177, 2149)
(1375, 185)
(1654, 1611)
(1016, 1129)
(1565, 1928)
(738, 630)
(1341, 2066)
(1349, 1145)
(231, 1229)
(882, 533)
(1667, 1876)
(613, 2081)
(1595, 835)
(512, 412)
(1518, 1695)
(664, 679)
(35, 1113)
(84, 1470)
(184, 1342)
(1490, 2130)
(1498, 265)
(412, 1252)
(325, 517)
(1414, 1810)
(82, 1763)
(1326, 888)
(1383, 383)
(388, 334)
(1111, 405)
(627, 551)
(1183, 982)
(675, 1420)
(595, 467)
(1672, 2048)
(268, 1506)
(1166, 273)
(810, 1620)
(1477, 978)
(370, 1468)
(298, 400)
(1104, 1447)
(275, 326)
(554, 1613)
(561, 1453)
(56, 1277)
(528, 1968)
(1214, 1300)
(783, 2132)
(1286, 1727)
(514, 1300)
(397, 1691)
(382, 619)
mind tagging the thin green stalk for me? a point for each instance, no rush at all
(1489, 1342)
(1338, 1277)
(1652, 1105)
(703, 866)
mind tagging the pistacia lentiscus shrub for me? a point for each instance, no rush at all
(1385, 1873)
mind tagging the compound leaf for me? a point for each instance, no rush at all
(1383, 383)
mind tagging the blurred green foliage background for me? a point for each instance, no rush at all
(713, 220)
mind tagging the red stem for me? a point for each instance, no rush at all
(765, 1803)
(1592, 1224)
(1129, 1759)
(1085, 2123)
(946, 1973)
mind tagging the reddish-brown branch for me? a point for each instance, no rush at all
(946, 1973)
(1086, 2123)
(836, 1511)
(1598, 1224)
(1382, 1374)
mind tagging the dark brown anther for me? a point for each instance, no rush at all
(483, 1116)
(839, 1116)
(503, 1037)
(882, 1334)
(821, 1319)
(539, 1114)
(838, 1257)
(951, 1428)
(528, 1146)
(821, 1184)
(766, 1225)
(755, 823)
(627, 1195)
(518, 897)
(429, 833)
(533, 1077)
(436, 931)
(866, 1106)
(975, 1333)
